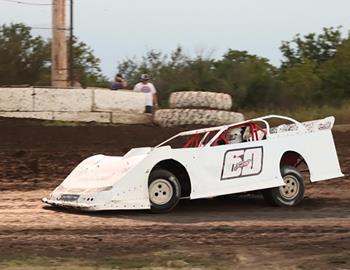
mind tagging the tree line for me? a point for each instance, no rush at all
(26, 59)
(315, 69)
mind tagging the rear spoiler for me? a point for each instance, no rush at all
(310, 126)
(321, 124)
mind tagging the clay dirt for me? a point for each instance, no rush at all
(237, 232)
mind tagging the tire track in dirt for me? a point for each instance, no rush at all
(244, 230)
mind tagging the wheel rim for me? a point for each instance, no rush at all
(290, 189)
(160, 191)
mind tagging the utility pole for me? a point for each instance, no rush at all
(59, 69)
(71, 51)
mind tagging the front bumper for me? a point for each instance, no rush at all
(110, 205)
(76, 205)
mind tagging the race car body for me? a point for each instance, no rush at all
(242, 157)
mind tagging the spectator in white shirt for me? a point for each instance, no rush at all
(150, 92)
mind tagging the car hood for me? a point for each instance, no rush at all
(101, 172)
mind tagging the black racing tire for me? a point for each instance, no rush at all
(164, 191)
(291, 193)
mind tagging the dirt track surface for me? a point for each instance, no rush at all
(234, 233)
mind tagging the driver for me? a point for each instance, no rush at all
(234, 135)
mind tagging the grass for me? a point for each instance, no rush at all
(341, 113)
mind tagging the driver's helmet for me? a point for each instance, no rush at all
(234, 135)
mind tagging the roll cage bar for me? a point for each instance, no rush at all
(199, 136)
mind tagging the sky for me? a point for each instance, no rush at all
(117, 30)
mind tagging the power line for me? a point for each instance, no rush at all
(26, 3)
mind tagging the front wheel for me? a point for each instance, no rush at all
(291, 193)
(164, 191)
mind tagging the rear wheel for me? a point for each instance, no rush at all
(291, 193)
(164, 191)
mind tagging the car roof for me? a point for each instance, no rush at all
(223, 127)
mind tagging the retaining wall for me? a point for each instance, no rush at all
(84, 105)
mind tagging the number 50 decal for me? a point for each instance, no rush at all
(242, 162)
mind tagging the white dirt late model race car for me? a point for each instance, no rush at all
(247, 156)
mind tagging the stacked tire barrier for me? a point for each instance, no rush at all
(197, 108)
(192, 99)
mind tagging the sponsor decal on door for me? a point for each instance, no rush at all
(242, 162)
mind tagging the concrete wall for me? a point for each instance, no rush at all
(122, 100)
(16, 100)
(62, 100)
(85, 105)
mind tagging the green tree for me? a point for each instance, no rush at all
(315, 71)
(169, 72)
(87, 65)
(300, 86)
(250, 79)
(335, 75)
(311, 47)
(25, 59)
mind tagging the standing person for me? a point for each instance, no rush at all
(119, 82)
(146, 87)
